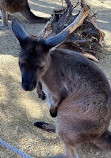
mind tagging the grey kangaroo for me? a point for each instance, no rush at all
(78, 92)
(21, 6)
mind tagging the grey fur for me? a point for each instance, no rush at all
(78, 92)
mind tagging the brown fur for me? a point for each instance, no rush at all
(78, 92)
(14, 6)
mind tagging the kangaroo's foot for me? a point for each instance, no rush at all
(104, 141)
(3, 27)
(50, 127)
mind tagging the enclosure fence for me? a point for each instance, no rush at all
(10, 147)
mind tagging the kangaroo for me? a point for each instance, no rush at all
(21, 6)
(78, 92)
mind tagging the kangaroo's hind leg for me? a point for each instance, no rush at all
(4, 20)
(71, 151)
(104, 141)
(69, 137)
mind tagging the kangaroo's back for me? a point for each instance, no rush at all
(79, 72)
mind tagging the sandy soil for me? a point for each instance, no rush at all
(19, 109)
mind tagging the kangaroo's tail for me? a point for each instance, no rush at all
(26, 12)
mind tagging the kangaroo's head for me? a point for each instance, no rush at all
(34, 58)
(33, 62)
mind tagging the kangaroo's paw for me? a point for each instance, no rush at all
(42, 95)
(40, 92)
(53, 111)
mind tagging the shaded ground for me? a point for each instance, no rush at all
(19, 109)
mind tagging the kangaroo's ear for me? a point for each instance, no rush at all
(58, 39)
(19, 31)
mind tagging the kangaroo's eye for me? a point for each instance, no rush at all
(38, 67)
(41, 67)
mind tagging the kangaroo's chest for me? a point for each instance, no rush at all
(51, 96)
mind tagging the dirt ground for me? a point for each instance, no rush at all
(19, 109)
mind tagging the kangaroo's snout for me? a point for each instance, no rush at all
(28, 87)
(28, 82)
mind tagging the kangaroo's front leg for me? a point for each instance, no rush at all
(54, 107)
(40, 92)
(56, 101)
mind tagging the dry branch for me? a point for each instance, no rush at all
(84, 35)
(78, 21)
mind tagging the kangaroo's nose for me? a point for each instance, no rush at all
(27, 87)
